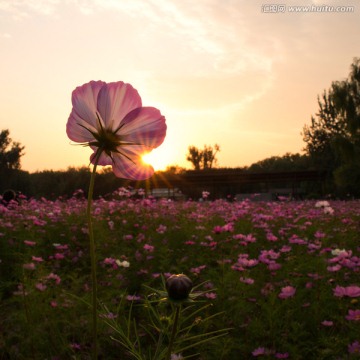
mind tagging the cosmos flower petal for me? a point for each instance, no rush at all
(145, 126)
(103, 160)
(84, 101)
(82, 133)
(129, 164)
(115, 100)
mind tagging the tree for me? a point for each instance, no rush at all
(203, 159)
(287, 162)
(333, 138)
(10, 152)
(194, 156)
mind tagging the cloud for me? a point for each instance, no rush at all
(212, 44)
(20, 9)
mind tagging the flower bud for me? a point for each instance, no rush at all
(178, 287)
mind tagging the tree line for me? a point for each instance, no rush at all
(332, 145)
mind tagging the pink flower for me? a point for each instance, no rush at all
(59, 256)
(29, 243)
(327, 323)
(353, 291)
(29, 266)
(109, 261)
(248, 281)
(259, 351)
(286, 292)
(211, 295)
(353, 315)
(273, 266)
(350, 291)
(161, 229)
(37, 259)
(40, 287)
(75, 346)
(111, 120)
(282, 355)
(198, 269)
(334, 268)
(339, 291)
(354, 348)
(148, 248)
(55, 277)
(218, 229)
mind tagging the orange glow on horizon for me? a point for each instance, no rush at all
(155, 159)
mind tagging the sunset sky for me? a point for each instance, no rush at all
(229, 72)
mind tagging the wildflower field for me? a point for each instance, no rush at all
(282, 277)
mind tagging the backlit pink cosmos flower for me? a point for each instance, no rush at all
(110, 118)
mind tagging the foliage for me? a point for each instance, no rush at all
(333, 138)
(203, 159)
(10, 152)
(287, 162)
(283, 275)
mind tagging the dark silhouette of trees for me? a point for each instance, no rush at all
(333, 137)
(287, 162)
(203, 159)
(10, 152)
(10, 156)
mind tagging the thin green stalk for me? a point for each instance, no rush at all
(173, 332)
(93, 259)
(28, 320)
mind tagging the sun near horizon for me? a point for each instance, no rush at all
(158, 161)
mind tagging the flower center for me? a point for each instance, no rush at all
(107, 140)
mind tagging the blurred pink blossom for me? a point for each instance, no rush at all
(29, 243)
(30, 266)
(354, 348)
(327, 323)
(350, 291)
(353, 315)
(286, 292)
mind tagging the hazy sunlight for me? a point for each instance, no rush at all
(156, 159)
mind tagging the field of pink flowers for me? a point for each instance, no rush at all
(284, 276)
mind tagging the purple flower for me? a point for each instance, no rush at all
(354, 348)
(282, 355)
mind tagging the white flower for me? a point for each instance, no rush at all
(337, 252)
(328, 210)
(322, 204)
(176, 357)
(124, 263)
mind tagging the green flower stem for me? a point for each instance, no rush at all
(93, 258)
(173, 332)
(28, 320)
